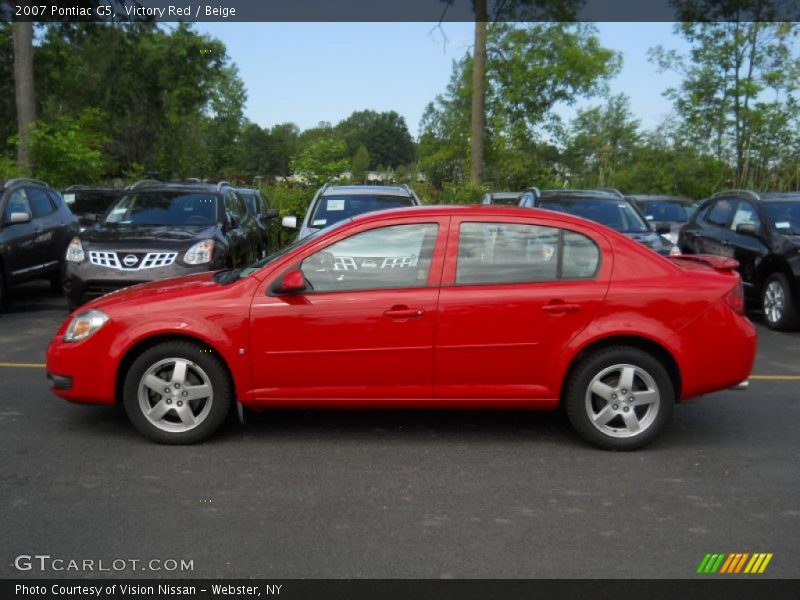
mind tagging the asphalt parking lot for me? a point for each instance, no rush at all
(396, 494)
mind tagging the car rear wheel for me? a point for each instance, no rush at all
(619, 398)
(778, 303)
(177, 393)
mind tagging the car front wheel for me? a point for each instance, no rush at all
(778, 303)
(619, 398)
(177, 393)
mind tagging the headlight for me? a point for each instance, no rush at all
(200, 253)
(75, 251)
(84, 325)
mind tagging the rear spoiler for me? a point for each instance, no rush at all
(718, 263)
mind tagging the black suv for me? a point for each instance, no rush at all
(762, 232)
(259, 208)
(35, 229)
(160, 230)
(89, 203)
(607, 207)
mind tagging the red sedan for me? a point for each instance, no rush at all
(474, 307)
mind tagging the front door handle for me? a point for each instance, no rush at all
(403, 312)
(560, 308)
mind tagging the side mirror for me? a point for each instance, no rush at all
(19, 217)
(271, 213)
(289, 222)
(292, 282)
(663, 227)
(747, 229)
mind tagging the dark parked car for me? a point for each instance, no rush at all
(762, 232)
(89, 203)
(502, 198)
(160, 230)
(674, 210)
(35, 229)
(332, 204)
(259, 208)
(607, 207)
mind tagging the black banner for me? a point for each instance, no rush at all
(397, 10)
(731, 588)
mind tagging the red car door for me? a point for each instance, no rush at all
(364, 329)
(514, 293)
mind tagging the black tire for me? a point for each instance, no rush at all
(649, 375)
(200, 360)
(780, 314)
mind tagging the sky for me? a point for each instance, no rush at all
(311, 72)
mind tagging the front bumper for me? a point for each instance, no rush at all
(84, 372)
(85, 281)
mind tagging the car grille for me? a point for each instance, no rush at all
(124, 261)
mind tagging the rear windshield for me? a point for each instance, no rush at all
(616, 214)
(668, 210)
(332, 209)
(90, 202)
(506, 201)
(785, 216)
(164, 208)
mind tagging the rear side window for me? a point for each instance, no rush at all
(720, 213)
(40, 202)
(55, 198)
(498, 253)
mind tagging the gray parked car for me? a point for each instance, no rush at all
(334, 203)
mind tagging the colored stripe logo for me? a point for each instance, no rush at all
(734, 563)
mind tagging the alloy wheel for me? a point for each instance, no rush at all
(175, 395)
(774, 301)
(622, 401)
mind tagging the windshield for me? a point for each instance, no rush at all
(284, 251)
(668, 210)
(785, 216)
(616, 214)
(90, 202)
(332, 209)
(164, 208)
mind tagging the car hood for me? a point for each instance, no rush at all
(188, 286)
(136, 234)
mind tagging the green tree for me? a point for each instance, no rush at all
(385, 135)
(737, 78)
(323, 159)
(360, 164)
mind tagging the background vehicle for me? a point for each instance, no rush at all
(762, 232)
(607, 207)
(674, 210)
(35, 228)
(89, 203)
(445, 306)
(332, 204)
(503, 198)
(259, 208)
(160, 230)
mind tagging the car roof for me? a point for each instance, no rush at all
(660, 198)
(178, 187)
(764, 196)
(467, 210)
(589, 194)
(368, 190)
(506, 194)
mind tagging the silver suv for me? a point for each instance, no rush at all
(334, 203)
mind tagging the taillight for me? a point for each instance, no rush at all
(735, 298)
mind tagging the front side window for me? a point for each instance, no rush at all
(499, 253)
(398, 256)
(746, 214)
(720, 213)
(164, 208)
(17, 202)
(334, 208)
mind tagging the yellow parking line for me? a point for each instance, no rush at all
(11, 365)
(774, 377)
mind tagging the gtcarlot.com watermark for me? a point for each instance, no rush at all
(46, 563)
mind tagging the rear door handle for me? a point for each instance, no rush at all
(560, 308)
(403, 313)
